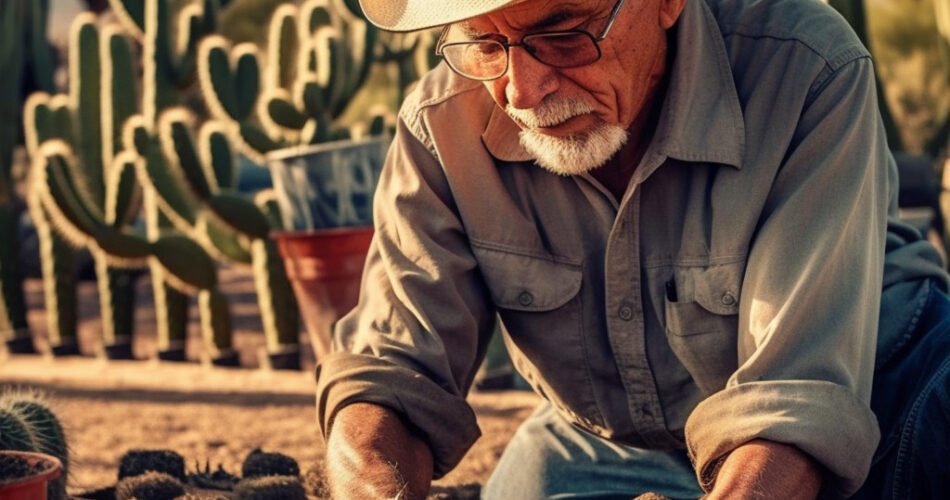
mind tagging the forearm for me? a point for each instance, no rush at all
(763, 469)
(371, 454)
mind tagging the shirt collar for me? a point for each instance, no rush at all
(701, 118)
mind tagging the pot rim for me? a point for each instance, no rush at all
(52, 471)
(283, 234)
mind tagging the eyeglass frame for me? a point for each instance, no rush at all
(440, 44)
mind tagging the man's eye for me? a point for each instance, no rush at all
(488, 49)
(561, 43)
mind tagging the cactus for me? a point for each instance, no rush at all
(101, 96)
(138, 462)
(25, 57)
(195, 188)
(270, 488)
(413, 53)
(149, 486)
(28, 424)
(167, 71)
(319, 55)
(258, 464)
(102, 162)
(78, 221)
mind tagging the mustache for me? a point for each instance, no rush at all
(549, 112)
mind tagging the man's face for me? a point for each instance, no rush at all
(574, 119)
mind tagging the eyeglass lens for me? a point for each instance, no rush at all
(488, 59)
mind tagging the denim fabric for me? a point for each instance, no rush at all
(911, 399)
(549, 458)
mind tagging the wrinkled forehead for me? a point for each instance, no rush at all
(530, 15)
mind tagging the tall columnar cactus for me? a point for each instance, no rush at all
(87, 149)
(196, 188)
(28, 424)
(192, 186)
(318, 56)
(25, 57)
(101, 96)
(167, 68)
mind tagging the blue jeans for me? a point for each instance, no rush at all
(549, 458)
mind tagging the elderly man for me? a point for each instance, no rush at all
(684, 214)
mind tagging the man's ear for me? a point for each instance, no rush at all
(670, 11)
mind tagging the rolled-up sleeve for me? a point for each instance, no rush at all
(419, 331)
(811, 294)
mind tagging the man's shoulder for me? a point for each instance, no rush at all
(812, 23)
(442, 92)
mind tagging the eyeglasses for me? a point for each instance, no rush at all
(488, 59)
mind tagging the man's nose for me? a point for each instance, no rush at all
(528, 80)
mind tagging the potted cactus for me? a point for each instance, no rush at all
(34, 456)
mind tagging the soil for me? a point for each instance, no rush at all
(13, 467)
(212, 416)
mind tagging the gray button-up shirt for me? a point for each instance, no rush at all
(732, 293)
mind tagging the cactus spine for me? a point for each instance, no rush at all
(25, 57)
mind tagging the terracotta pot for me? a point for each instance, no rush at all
(324, 267)
(31, 487)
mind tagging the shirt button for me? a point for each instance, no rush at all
(625, 312)
(525, 298)
(728, 299)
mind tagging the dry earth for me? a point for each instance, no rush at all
(207, 414)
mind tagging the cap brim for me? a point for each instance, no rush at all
(411, 15)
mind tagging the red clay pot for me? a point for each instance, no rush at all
(324, 267)
(31, 487)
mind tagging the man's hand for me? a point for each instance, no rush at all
(371, 454)
(764, 470)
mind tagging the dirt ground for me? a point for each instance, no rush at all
(207, 414)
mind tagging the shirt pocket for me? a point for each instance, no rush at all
(539, 302)
(522, 281)
(701, 310)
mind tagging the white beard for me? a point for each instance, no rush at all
(568, 155)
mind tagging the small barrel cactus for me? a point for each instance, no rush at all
(270, 488)
(28, 424)
(138, 462)
(259, 463)
(151, 485)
